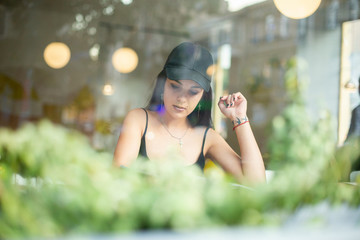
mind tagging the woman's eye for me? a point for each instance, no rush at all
(174, 86)
(193, 92)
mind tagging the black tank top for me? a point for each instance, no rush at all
(142, 152)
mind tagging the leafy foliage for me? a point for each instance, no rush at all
(69, 188)
(295, 138)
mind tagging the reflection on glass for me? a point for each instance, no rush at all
(108, 10)
(92, 31)
(284, 26)
(211, 70)
(270, 28)
(94, 52)
(150, 136)
(108, 90)
(332, 14)
(354, 9)
(351, 86)
(126, 2)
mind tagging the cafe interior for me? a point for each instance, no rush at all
(82, 65)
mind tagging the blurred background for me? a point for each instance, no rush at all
(85, 63)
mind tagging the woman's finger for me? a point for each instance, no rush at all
(223, 100)
(233, 99)
(230, 100)
(240, 96)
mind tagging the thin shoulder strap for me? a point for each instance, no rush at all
(203, 144)
(146, 121)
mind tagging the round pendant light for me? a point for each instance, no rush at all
(125, 60)
(297, 9)
(57, 55)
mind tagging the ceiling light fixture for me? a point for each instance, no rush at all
(125, 60)
(57, 55)
(297, 9)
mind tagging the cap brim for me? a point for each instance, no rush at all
(188, 74)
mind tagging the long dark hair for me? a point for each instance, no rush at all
(201, 116)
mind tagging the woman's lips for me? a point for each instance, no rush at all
(178, 108)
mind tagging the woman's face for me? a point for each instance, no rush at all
(181, 97)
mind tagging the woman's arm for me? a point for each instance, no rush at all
(250, 166)
(251, 159)
(128, 145)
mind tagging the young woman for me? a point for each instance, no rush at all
(179, 117)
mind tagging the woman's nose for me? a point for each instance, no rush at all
(181, 97)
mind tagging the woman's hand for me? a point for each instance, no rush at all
(251, 166)
(233, 106)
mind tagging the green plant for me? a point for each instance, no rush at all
(71, 189)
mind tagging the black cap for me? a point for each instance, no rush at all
(189, 61)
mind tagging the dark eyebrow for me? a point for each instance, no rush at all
(182, 84)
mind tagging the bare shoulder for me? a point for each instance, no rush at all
(199, 130)
(136, 113)
(214, 139)
(152, 114)
(135, 117)
(217, 149)
(213, 136)
(128, 145)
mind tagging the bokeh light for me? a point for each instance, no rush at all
(297, 9)
(57, 55)
(211, 70)
(108, 90)
(125, 60)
